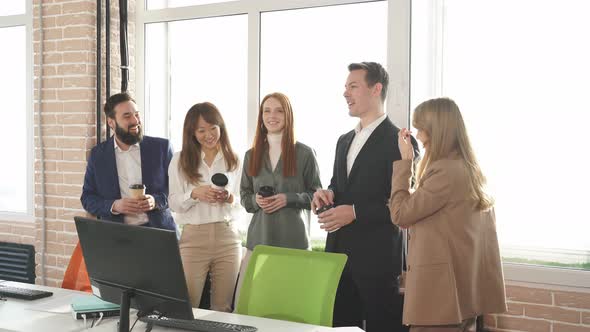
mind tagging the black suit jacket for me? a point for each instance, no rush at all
(372, 242)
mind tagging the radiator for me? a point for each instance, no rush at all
(17, 262)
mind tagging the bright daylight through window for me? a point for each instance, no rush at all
(522, 89)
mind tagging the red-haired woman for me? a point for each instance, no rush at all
(210, 241)
(276, 160)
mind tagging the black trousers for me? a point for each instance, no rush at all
(374, 299)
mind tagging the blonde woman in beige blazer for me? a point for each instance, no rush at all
(454, 270)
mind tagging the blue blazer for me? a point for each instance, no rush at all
(101, 182)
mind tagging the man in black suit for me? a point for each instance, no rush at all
(359, 225)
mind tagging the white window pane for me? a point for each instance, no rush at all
(13, 178)
(207, 62)
(12, 7)
(159, 4)
(522, 87)
(306, 57)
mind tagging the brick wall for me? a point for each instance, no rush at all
(543, 310)
(68, 123)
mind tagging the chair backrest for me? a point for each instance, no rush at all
(291, 284)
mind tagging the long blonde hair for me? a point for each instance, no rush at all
(441, 120)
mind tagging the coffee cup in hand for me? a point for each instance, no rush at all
(137, 190)
(324, 208)
(266, 191)
(219, 181)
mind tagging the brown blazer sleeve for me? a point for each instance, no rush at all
(407, 209)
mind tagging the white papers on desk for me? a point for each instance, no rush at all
(61, 304)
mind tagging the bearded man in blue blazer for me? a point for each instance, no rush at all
(128, 158)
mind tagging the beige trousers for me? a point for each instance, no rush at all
(467, 325)
(243, 267)
(214, 248)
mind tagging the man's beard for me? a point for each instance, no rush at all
(126, 136)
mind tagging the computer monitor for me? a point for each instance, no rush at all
(135, 266)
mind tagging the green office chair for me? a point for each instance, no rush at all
(291, 284)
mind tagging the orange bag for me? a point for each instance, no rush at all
(76, 276)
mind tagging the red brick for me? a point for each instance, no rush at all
(586, 318)
(71, 143)
(79, 82)
(489, 321)
(558, 327)
(72, 166)
(76, 19)
(76, 94)
(573, 300)
(515, 309)
(80, 107)
(75, 44)
(78, 118)
(69, 238)
(49, 10)
(73, 203)
(552, 313)
(79, 32)
(523, 324)
(74, 178)
(50, 177)
(79, 7)
(72, 69)
(530, 295)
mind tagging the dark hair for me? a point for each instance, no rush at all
(374, 73)
(190, 156)
(113, 101)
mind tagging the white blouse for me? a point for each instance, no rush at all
(190, 211)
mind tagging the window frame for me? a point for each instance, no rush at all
(399, 94)
(25, 20)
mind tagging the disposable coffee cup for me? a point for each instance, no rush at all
(137, 190)
(325, 208)
(266, 191)
(219, 181)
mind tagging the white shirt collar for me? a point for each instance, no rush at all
(371, 127)
(131, 147)
(218, 156)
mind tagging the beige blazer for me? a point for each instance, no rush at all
(454, 270)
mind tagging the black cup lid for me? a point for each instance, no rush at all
(136, 186)
(266, 191)
(219, 179)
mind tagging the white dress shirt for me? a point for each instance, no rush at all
(129, 172)
(192, 211)
(360, 138)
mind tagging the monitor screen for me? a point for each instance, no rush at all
(142, 262)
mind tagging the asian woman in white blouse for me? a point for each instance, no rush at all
(210, 242)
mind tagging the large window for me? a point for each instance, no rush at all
(15, 92)
(204, 61)
(517, 69)
(296, 59)
(520, 73)
(233, 54)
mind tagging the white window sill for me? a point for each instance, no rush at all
(536, 276)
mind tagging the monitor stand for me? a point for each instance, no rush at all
(126, 296)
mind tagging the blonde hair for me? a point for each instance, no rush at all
(441, 120)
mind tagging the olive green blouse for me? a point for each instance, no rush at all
(287, 227)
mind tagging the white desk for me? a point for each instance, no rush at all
(21, 315)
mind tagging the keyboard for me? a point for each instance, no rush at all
(197, 325)
(23, 293)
